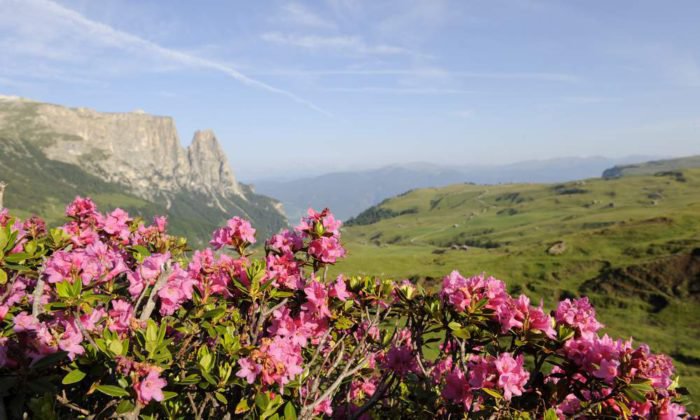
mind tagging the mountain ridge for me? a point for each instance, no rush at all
(348, 193)
(134, 154)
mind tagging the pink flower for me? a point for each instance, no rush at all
(363, 387)
(670, 411)
(237, 233)
(25, 322)
(401, 360)
(511, 375)
(578, 314)
(457, 389)
(339, 290)
(463, 293)
(278, 360)
(285, 242)
(90, 321)
(150, 388)
(161, 223)
(607, 370)
(317, 300)
(284, 270)
(539, 320)
(81, 208)
(152, 266)
(176, 291)
(482, 372)
(317, 224)
(324, 407)
(120, 316)
(116, 223)
(249, 370)
(70, 340)
(326, 249)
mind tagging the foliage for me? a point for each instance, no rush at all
(106, 316)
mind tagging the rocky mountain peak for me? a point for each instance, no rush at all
(209, 164)
(141, 151)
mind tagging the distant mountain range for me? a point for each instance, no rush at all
(50, 153)
(348, 193)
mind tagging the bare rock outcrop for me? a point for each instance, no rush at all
(138, 150)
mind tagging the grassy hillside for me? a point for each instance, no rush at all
(653, 167)
(37, 185)
(632, 244)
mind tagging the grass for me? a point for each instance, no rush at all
(633, 223)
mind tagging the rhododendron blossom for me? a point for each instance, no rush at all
(150, 388)
(108, 316)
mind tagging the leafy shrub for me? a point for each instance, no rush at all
(108, 317)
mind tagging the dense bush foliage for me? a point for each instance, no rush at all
(106, 316)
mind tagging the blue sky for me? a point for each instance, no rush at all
(292, 86)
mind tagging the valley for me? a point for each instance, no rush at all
(632, 244)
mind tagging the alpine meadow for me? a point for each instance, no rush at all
(349, 209)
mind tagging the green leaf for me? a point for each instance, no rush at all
(3, 277)
(344, 323)
(453, 325)
(116, 347)
(634, 395)
(124, 407)
(462, 333)
(142, 250)
(63, 289)
(73, 376)
(209, 378)
(30, 248)
(112, 391)
(219, 396)
(50, 360)
(190, 379)
(290, 413)
(4, 237)
(76, 287)
(214, 313)
(643, 386)
(242, 407)
(16, 258)
(262, 400)
(551, 414)
(493, 393)
(168, 395)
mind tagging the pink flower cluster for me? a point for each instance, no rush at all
(115, 292)
(505, 373)
(578, 314)
(324, 231)
(278, 360)
(237, 233)
(471, 294)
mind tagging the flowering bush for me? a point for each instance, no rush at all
(108, 317)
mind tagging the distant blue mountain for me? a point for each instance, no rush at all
(348, 193)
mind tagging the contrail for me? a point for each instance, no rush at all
(121, 39)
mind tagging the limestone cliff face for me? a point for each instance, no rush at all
(209, 165)
(140, 151)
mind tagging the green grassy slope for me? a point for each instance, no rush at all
(653, 167)
(632, 244)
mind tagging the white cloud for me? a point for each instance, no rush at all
(297, 14)
(71, 26)
(341, 43)
(399, 91)
(430, 72)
